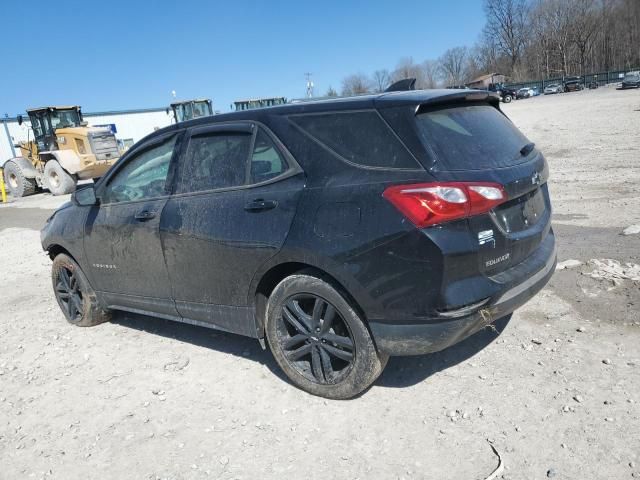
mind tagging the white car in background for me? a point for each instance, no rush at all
(553, 88)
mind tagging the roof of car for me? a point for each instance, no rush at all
(334, 104)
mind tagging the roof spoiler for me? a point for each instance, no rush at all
(402, 85)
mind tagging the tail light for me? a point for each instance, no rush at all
(427, 204)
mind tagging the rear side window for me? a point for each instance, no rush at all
(215, 160)
(471, 138)
(359, 137)
(266, 161)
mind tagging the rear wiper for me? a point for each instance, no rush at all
(526, 150)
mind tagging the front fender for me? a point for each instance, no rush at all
(68, 159)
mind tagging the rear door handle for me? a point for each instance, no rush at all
(260, 204)
(145, 215)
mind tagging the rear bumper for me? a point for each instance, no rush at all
(520, 283)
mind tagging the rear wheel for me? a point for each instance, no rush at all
(507, 99)
(57, 180)
(319, 340)
(76, 298)
(19, 185)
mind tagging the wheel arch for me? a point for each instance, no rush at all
(274, 275)
(56, 249)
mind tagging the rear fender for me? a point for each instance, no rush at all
(25, 165)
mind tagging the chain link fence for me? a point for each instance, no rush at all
(601, 78)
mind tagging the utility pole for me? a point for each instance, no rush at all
(6, 131)
(309, 85)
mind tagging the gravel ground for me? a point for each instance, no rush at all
(555, 388)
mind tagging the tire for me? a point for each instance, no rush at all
(15, 180)
(74, 295)
(330, 354)
(507, 99)
(57, 180)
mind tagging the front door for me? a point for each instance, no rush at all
(236, 194)
(122, 239)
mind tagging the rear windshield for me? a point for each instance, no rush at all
(471, 138)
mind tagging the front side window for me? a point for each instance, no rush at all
(215, 160)
(144, 176)
(362, 138)
(266, 161)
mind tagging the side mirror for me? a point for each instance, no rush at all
(85, 196)
(19, 119)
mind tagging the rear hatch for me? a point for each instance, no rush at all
(475, 142)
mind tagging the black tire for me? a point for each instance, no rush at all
(507, 99)
(338, 336)
(16, 182)
(57, 180)
(74, 295)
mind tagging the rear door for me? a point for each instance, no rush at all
(235, 196)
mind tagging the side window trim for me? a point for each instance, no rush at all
(133, 154)
(233, 127)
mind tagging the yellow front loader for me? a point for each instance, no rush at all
(60, 150)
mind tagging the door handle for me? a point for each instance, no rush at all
(260, 204)
(145, 215)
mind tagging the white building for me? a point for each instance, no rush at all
(130, 126)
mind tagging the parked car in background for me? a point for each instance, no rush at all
(535, 91)
(573, 84)
(524, 93)
(631, 80)
(553, 88)
(336, 233)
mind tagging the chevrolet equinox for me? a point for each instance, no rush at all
(337, 232)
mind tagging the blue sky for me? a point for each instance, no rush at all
(114, 54)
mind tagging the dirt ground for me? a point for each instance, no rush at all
(556, 388)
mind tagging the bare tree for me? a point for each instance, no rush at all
(430, 74)
(406, 68)
(356, 84)
(583, 26)
(381, 80)
(452, 63)
(507, 27)
(331, 92)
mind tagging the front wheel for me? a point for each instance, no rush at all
(76, 298)
(57, 180)
(507, 99)
(19, 185)
(319, 340)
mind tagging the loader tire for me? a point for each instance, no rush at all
(19, 185)
(57, 180)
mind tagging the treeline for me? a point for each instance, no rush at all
(527, 39)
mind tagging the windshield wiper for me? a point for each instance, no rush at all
(527, 149)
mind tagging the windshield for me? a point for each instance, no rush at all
(188, 111)
(64, 118)
(633, 76)
(471, 138)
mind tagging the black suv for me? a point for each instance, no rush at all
(337, 232)
(573, 84)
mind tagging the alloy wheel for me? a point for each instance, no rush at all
(315, 339)
(69, 294)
